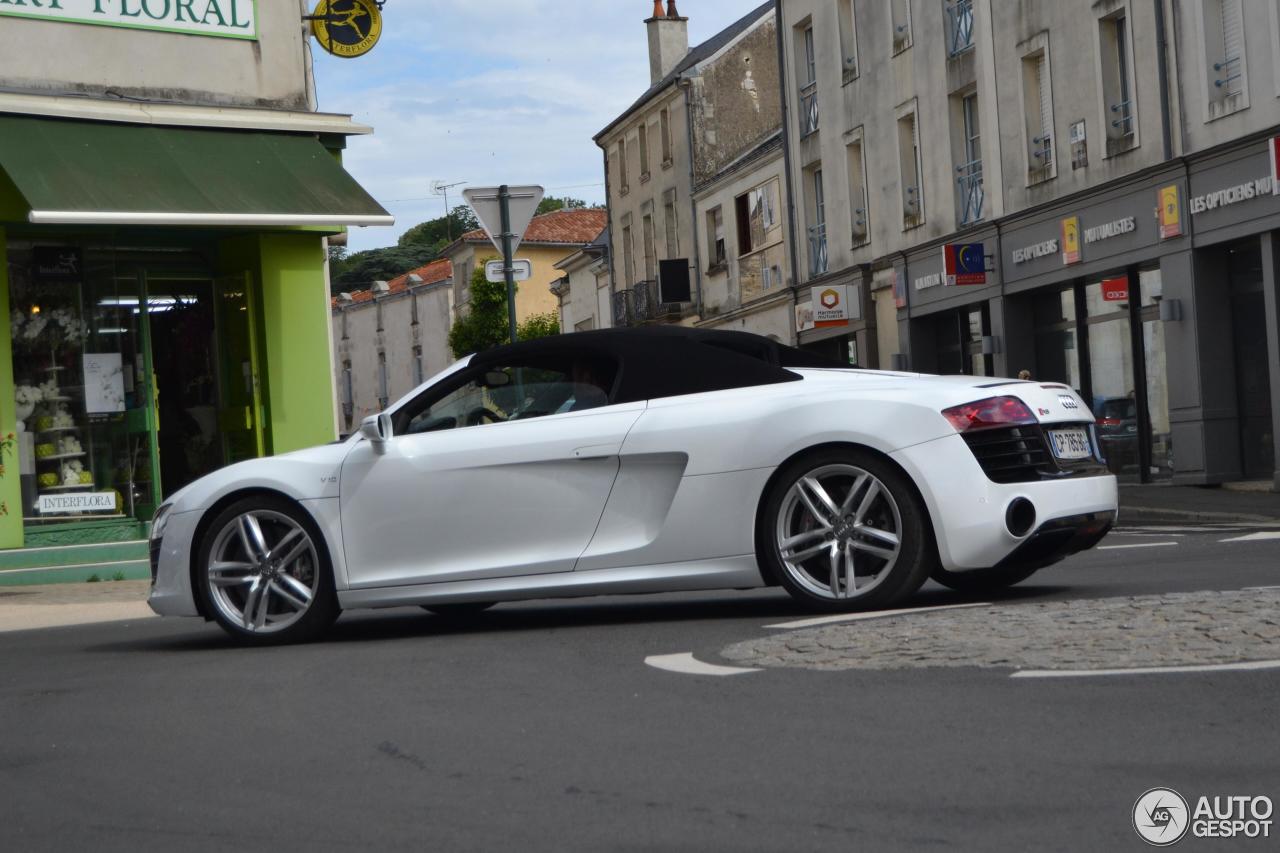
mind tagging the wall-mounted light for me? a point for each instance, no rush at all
(1170, 310)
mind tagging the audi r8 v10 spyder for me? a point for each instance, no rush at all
(641, 461)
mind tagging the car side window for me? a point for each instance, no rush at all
(495, 394)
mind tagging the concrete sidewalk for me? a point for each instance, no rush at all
(1166, 504)
(56, 605)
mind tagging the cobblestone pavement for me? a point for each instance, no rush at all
(1140, 631)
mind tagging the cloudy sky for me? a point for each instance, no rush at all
(493, 91)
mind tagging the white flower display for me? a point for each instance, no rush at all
(71, 472)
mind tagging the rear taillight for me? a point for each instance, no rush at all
(1108, 422)
(989, 413)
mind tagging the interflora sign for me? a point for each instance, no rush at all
(347, 28)
(222, 18)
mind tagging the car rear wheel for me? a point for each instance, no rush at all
(845, 530)
(984, 580)
(264, 573)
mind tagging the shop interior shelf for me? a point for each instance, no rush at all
(58, 456)
(59, 429)
(84, 487)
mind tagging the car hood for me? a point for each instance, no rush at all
(308, 474)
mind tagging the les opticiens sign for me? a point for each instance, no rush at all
(222, 18)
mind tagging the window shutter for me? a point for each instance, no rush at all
(1232, 31)
(1046, 107)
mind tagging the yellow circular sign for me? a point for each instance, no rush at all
(347, 27)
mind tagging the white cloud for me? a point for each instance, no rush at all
(493, 91)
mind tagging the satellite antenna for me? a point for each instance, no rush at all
(442, 188)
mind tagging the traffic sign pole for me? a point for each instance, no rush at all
(508, 271)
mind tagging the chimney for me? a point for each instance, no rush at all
(668, 40)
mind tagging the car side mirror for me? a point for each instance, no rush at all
(377, 429)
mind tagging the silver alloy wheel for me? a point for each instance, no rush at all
(839, 532)
(263, 571)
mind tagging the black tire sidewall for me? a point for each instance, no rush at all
(324, 606)
(916, 560)
(983, 580)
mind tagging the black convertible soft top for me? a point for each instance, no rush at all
(666, 361)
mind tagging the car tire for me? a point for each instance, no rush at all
(984, 580)
(460, 610)
(263, 573)
(866, 521)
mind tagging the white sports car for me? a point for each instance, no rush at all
(638, 461)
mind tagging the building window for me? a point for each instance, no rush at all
(807, 72)
(1225, 77)
(623, 186)
(1037, 111)
(900, 20)
(959, 26)
(969, 190)
(650, 261)
(1121, 110)
(848, 39)
(417, 366)
(858, 215)
(757, 217)
(715, 238)
(644, 153)
(628, 256)
(818, 223)
(909, 170)
(671, 222)
(664, 127)
(384, 393)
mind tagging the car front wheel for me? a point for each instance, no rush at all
(265, 575)
(845, 530)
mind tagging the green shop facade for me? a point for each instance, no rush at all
(167, 296)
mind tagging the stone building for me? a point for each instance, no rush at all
(694, 182)
(585, 290)
(1084, 191)
(390, 338)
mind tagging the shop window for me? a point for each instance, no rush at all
(1157, 374)
(1054, 319)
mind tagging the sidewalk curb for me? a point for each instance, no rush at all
(1149, 513)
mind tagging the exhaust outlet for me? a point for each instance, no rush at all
(1020, 517)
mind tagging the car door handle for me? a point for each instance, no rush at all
(597, 451)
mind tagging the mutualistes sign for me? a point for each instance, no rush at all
(222, 18)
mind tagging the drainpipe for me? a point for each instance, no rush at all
(1162, 74)
(687, 85)
(786, 165)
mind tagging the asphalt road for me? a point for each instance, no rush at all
(540, 727)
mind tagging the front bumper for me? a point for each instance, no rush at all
(171, 593)
(968, 509)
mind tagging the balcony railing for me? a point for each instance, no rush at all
(809, 109)
(971, 194)
(1122, 121)
(817, 249)
(959, 26)
(1227, 73)
(623, 313)
(644, 299)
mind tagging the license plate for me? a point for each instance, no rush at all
(1071, 443)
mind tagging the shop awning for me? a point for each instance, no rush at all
(98, 173)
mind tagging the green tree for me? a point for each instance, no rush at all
(539, 326)
(439, 232)
(485, 324)
(550, 203)
(361, 270)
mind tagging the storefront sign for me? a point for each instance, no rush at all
(924, 282)
(77, 502)
(1126, 225)
(1115, 290)
(56, 263)
(1071, 240)
(1170, 213)
(223, 18)
(830, 305)
(964, 264)
(347, 28)
(1232, 195)
(1036, 250)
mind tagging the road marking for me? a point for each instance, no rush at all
(686, 664)
(1259, 588)
(1135, 545)
(1253, 537)
(1150, 670)
(872, 614)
